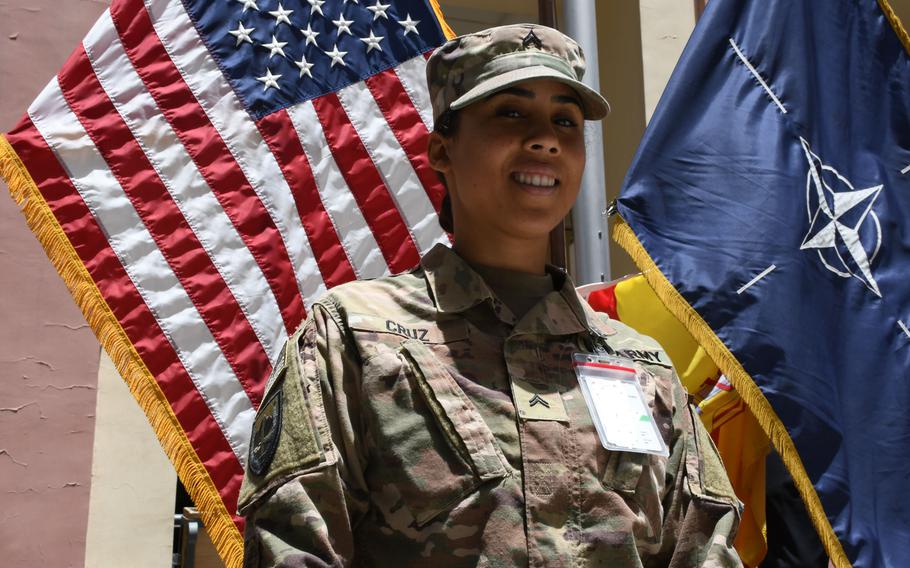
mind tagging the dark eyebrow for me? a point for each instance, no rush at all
(527, 94)
(569, 100)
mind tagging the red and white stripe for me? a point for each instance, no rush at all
(206, 232)
(350, 225)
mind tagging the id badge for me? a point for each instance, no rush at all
(617, 404)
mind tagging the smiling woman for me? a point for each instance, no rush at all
(509, 191)
(450, 416)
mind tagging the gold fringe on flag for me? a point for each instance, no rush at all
(218, 522)
(437, 9)
(742, 382)
(895, 22)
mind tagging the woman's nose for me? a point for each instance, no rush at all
(544, 139)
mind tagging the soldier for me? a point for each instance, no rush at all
(434, 418)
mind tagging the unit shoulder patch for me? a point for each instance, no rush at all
(266, 433)
(286, 437)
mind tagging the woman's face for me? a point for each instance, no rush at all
(513, 167)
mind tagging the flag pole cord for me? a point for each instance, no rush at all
(218, 521)
(742, 382)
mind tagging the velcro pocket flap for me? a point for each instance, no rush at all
(624, 471)
(459, 419)
(705, 470)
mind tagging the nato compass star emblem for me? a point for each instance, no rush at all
(843, 228)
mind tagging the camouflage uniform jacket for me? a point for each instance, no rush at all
(396, 431)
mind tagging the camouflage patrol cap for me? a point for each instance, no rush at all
(473, 66)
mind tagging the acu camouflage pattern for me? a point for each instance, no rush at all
(401, 445)
(473, 66)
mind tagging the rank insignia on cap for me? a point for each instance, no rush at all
(266, 431)
(531, 40)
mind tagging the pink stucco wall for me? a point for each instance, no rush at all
(48, 356)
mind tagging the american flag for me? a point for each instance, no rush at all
(200, 171)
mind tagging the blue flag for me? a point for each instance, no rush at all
(771, 192)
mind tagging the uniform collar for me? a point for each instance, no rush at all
(456, 287)
(454, 284)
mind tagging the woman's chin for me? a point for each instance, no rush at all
(532, 227)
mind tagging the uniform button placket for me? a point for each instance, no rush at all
(546, 477)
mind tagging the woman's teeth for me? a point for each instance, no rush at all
(535, 180)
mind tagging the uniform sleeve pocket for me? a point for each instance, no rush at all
(468, 456)
(285, 438)
(705, 471)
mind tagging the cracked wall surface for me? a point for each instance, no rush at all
(48, 355)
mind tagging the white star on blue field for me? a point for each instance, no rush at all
(280, 53)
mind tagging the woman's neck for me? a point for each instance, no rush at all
(523, 255)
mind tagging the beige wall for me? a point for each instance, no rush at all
(902, 7)
(665, 29)
(622, 81)
(133, 483)
(466, 16)
(48, 356)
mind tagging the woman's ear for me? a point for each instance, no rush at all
(438, 153)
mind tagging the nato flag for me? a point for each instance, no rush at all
(772, 192)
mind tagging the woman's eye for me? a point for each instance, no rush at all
(566, 122)
(509, 113)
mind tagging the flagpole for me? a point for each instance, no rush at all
(546, 15)
(592, 251)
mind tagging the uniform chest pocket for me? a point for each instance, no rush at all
(623, 472)
(640, 480)
(434, 447)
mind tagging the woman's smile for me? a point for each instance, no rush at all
(538, 178)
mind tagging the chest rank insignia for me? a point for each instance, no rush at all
(266, 431)
(531, 40)
(537, 399)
